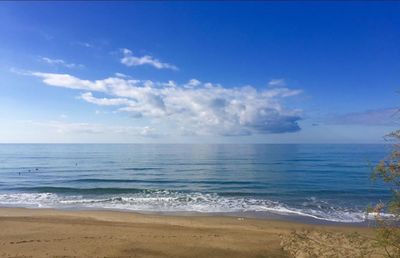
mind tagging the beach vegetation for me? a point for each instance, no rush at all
(387, 214)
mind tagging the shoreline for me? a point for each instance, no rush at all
(50, 232)
(274, 216)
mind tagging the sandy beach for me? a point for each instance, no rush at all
(58, 233)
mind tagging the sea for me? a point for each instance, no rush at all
(318, 182)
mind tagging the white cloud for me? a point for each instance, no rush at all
(206, 109)
(121, 75)
(63, 127)
(277, 82)
(60, 62)
(129, 59)
(192, 83)
(69, 81)
(88, 97)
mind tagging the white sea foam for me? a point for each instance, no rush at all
(169, 201)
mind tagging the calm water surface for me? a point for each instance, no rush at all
(324, 182)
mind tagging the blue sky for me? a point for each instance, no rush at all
(199, 72)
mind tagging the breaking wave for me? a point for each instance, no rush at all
(174, 201)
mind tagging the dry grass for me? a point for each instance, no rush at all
(322, 244)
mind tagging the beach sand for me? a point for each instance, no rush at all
(58, 233)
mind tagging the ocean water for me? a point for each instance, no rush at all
(321, 182)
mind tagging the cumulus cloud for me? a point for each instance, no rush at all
(190, 108)
(60, 62)
(383, 116)
(192, 83)
(129, 59)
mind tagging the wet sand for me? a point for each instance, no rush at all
(59, 233)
